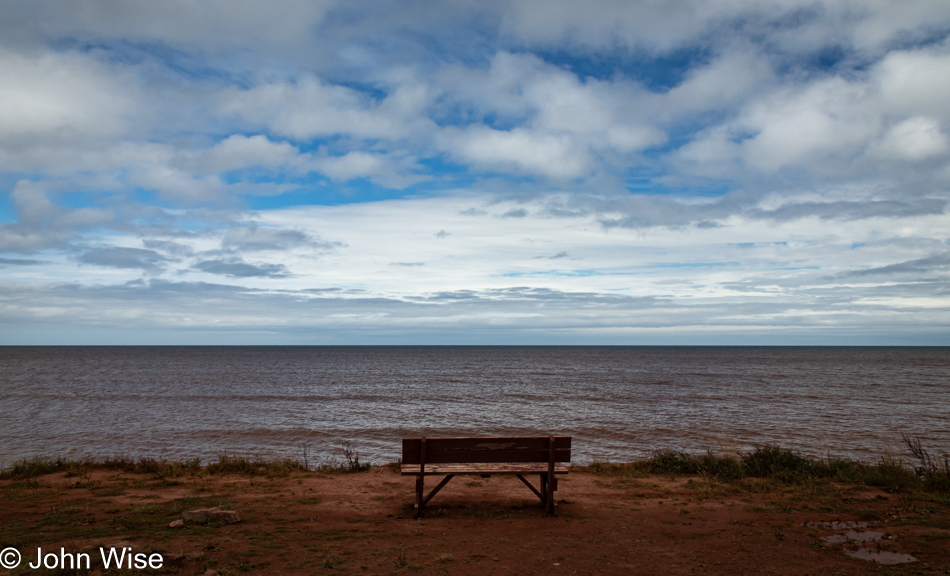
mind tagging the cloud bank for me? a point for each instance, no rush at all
(519, 172)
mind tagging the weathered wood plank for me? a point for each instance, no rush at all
(442, 456)
(483, 468)
(487, 443)
(471, 450)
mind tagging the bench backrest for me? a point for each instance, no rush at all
(486, 450)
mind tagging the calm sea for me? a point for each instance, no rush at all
(619, 403)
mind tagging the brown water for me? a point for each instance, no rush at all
(618, 402)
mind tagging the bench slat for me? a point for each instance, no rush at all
(485, 468)
(449, 456)
(489, 443)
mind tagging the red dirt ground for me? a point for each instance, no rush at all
(361, 523)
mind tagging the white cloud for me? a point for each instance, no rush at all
(835, 127)
(215, 25)
(826, 119)
(352, 165)
(655, 25)
(519, 151)
(178, 185)
(41, 224)
(729, 80)
(564, 128)
(792, 25)
(504, 275)
(256, 238)
(915, 82)
(239, 151)
(60, 96)
(309, 108)
(914, 139)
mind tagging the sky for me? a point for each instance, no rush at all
(475, 172)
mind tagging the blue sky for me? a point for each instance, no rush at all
(522, 172)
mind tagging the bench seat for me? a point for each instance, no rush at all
(482, 469)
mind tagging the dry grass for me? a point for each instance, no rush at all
(786, 467)
(163, 469)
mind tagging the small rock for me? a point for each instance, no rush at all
(210, 572)
(205, 515)
(200, 516)
(177, 524)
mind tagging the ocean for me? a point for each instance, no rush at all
(619, 403)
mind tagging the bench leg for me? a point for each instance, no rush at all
(420, 483)
(544, 490)
(437, 488)
(548, 486)
(422, 501)
(539, 494)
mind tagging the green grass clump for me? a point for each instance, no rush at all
(254, 466)
(891, 476)
(708, 464)
(934, 472)
(161, 469)
(38, 466)
(672, 462)
(614, 469)
(351, 462)
(786, 466)
(778, 463)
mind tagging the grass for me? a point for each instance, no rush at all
(163, 469)
(928, 474)
(253, 466)
(784, 467)
(934, 472)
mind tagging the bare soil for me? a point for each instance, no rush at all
(362, 523)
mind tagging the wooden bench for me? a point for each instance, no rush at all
(519, 455)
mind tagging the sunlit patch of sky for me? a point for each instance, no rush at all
(567, 273)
